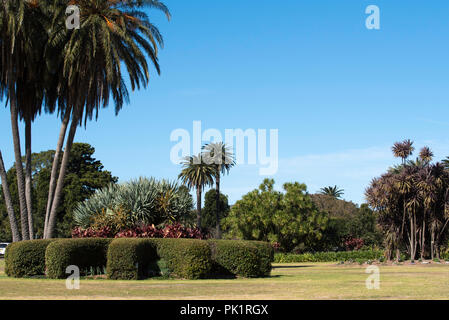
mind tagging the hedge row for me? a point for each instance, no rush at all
(188, 258)
(243, 258)
(329, 256)
(89, 255)
(129, 259)
(26, 258)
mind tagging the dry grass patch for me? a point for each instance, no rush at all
(288, 281)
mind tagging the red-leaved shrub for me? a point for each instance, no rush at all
(175, 230)
(352, 244)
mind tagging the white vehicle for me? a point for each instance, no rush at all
(3, 248)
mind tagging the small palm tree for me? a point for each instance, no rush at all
(403, 149)
(445, 163)
(197, 174)
(426, 155)
(221, 158)
(334, 191)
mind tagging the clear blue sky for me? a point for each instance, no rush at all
(339, 94)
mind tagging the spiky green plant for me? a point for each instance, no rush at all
(146, 200)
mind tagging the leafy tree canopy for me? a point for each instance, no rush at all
(290, 218)
(209, 219)
(85, 174)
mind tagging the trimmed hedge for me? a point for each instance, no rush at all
(26, 258)
(186, 258)
(329, 256)
(88, 255)
(241, 258)
(130, 259)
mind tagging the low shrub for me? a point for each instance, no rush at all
(175, 231)
(241, 258)
(185, 258)
(130, 259)
(329, 256)
(26, 258)
(140, 258)
(89, 255)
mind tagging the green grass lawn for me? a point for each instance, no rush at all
(288, 281)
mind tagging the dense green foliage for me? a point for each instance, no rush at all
(208, 219)
(242, 258)
(89, 255)
(289, 218)
(142, 201)
(346, 221)
(130, 259)
(329, 256)
(85, 174)
(186, 258)
(26, 258)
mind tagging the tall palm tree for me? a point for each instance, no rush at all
(113, 33)
(220, 156)
(197, 174)
(8, 201)
(22, 39)
(334, 191)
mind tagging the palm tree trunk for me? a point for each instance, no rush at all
(19, 169)
(423, 241)
(8, 201)
(198, 207)
(217, 207)
(28, 176)
(55, 168)
(432, 243)
(60, 184)
(412, 239)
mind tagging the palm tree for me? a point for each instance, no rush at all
(197, 174)
(334, 191)
(445, 163)
(220, 156)
(403, 149)
(23, 37)
(426, 155)
(114, 33)
(8, 202)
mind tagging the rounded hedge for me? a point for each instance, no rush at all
(130, 259)
(185, 258)
(26, 258)
(248, 259)
(89, 255)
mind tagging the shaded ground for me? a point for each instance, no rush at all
(288, 281)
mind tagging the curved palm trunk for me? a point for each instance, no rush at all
(217, 202)
(60, 184)
(9, 206)
(28, 176)
(198, 207)
(19, 170)
(55, 168)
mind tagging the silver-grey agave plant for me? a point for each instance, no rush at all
(146, 200)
